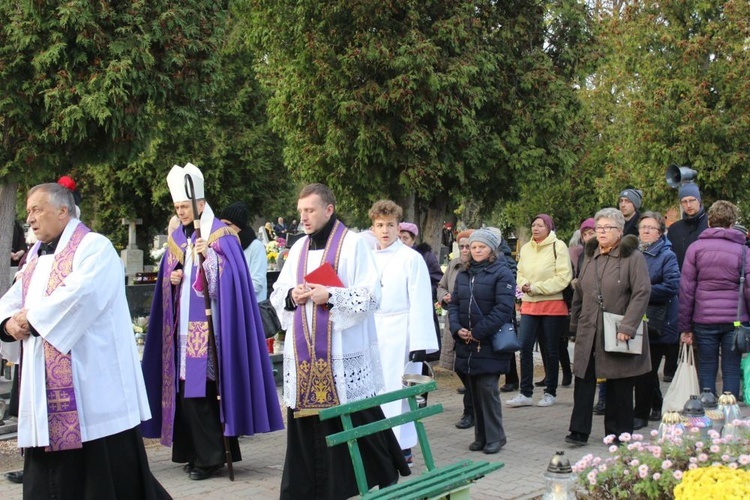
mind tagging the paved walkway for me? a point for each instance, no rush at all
(534, 434)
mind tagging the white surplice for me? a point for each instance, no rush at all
(354, 350)
(404, 323)
(88, 317)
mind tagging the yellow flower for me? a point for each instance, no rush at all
(717, 482)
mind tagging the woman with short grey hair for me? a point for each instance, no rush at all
(613, 278)
(613, 214)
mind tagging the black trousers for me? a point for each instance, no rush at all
(670, 362)
(618, 415)
(312, 470)
(112, 467)
(512, 376)
(198, 432)
(647, 389)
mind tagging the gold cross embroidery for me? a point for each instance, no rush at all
(58, 400)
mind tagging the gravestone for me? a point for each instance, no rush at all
(132, 256)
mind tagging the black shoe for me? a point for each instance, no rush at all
(567, 380)
(466, 422)
(509, 388)
(477, 446)
(188, 467)
(600, 408)
(655, 416)
(461, 390)
(639, 423)
(667, 378)
(492, 448)
(577, 439)
(201, 473)
(541, 383)
(15, 476)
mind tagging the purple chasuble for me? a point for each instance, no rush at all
(249, 402)
(316, 388)
(62, 411)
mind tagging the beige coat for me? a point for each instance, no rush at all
(447, 353)
(625, 288)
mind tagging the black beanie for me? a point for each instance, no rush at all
(236, 213)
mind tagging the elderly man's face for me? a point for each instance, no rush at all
(46, 220)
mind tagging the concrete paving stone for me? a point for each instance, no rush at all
(534, 434)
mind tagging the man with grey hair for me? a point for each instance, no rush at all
(66, 318)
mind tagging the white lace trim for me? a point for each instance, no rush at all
(350, 306)
(356, 375)
(211, 267)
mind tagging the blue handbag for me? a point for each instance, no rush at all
(506, 340)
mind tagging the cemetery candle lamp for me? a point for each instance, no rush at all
(558, 479)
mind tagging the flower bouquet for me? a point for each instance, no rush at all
(637, 469)
(140, 325)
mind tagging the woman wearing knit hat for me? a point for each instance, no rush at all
(483, 300)
(236, 216)
(544, 271)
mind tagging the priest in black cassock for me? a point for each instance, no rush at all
(82, 396)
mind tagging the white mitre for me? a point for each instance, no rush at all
(176, 182)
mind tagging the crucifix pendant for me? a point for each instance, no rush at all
(479, 347)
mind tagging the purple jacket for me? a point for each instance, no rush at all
(711, 278)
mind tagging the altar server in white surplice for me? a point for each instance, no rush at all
(82, 396)
(404, 319)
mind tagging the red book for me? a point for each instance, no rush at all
(324, 275)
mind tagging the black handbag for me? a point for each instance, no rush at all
(568, 291)
(741, 332)
(271, 323)
(656, 316)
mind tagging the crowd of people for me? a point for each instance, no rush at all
(359, 311)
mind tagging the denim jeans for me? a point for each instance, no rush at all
(710, 339)
(549, 328)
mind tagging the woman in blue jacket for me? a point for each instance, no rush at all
(483, 300)
(662, 333)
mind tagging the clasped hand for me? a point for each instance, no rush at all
(465, 334)
(201, 246)
(18, 326)
(623, 337)
(317, 293)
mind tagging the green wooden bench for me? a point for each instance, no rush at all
(451, 481)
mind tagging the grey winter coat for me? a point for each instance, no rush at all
(626, 288)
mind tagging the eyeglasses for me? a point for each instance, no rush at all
(648, 229)
(463, 246)
(688, 201)
(604, 229)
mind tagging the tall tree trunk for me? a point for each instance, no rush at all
(432, 223)
(8, 193)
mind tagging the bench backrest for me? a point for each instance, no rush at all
(350, 434)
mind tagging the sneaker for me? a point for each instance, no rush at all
(519, 400)
(547, 400)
